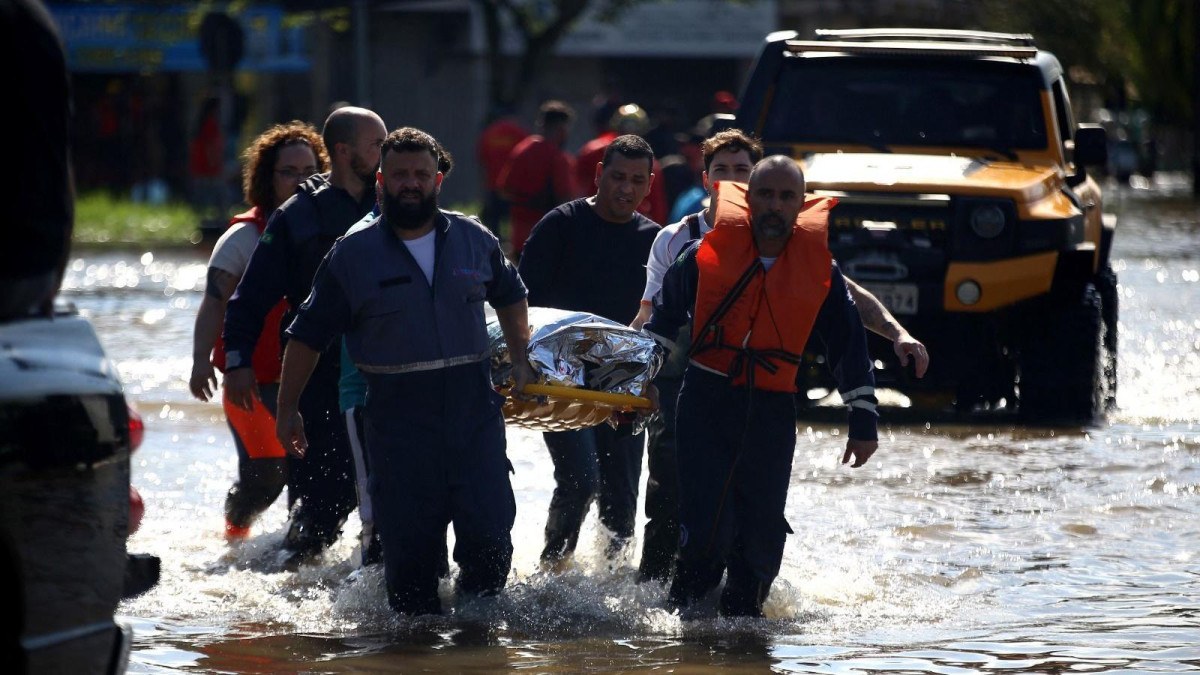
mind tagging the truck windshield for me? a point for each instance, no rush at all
(911, 102)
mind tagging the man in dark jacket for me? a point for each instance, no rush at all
(299, 234)
(589, 255)
(754, 287)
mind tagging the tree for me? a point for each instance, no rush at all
(1167, 66)
(1165, 32)
(540, 25)
(1143, 47)
(1088, 34)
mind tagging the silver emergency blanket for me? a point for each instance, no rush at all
(578, 349)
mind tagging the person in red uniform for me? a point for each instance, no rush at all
(628, 119)
(538, 174)
(496, 143)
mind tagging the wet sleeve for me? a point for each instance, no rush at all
(839, 330)
(326, 313)
(506, 286)
(260, 289)
(675, 302)
(539, 261)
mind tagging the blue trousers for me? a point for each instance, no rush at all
(599, 463)
(438, 456)
(661, 538)
(735, 458)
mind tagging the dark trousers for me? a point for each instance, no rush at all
(260, 480)
(735, 450)
(321, 484)
(438, 456)
(661, 538)
(599, 463)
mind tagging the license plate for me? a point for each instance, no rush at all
(898, 298)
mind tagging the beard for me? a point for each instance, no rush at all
(407, 216)
(772, 226)
(363, 169)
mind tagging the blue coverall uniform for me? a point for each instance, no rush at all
(298, 235)
(434, 430)
(735, 447)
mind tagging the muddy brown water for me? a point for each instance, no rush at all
(964, 546)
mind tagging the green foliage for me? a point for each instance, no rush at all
(102, 219)
(1165, 32)
(1148, 44)
(1090, 34)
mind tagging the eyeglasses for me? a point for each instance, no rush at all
(294, 174)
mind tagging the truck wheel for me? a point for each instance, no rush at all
(1062, 364)
(1110, 304)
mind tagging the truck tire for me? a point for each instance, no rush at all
(1062, 363)
(1110, 305)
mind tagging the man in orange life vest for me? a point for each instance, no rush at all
(754, 287)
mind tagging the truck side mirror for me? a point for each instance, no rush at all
(1091, 145)
(1090, 149)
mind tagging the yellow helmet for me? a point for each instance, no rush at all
(630, 119)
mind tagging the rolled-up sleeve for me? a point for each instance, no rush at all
(658, 262)
(506, 286)
(674, 305)
(326, 313)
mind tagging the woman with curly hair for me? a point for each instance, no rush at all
(275, 164)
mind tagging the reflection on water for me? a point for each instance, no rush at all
(966, 545)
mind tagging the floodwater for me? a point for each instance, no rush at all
(964, 546)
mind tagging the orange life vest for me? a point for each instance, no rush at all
(750, 323)
(266, 360)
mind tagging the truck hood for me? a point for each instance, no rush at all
(886, 172)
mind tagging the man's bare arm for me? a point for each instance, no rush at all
(209, 320)
(299, 361)
(514, 323)
(880, 321)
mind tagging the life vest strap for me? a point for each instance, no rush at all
(709, 335)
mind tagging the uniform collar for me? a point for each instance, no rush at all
(441, 225)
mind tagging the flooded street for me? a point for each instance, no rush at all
(962, 547)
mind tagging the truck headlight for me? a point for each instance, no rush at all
(987, 221)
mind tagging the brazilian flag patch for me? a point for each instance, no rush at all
(265, 238)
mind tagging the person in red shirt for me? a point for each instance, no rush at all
(496, 143)
(539, 173)
(628, 119)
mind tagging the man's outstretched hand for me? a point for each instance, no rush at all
(861, 451)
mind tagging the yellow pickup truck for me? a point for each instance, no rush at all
(964, 205)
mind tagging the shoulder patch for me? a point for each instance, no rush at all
(266, 238)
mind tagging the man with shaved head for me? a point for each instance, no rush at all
(754, 288)
(298, 235)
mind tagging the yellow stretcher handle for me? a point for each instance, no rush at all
(557, 391)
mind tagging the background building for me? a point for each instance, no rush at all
(143, 70)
